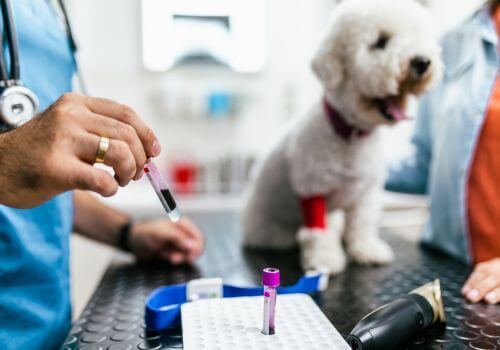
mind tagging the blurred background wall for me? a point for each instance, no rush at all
(211, 120)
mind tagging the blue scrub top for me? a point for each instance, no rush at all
(35, 310)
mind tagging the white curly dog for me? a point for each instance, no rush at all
(375, 54)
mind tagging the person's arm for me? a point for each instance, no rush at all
(93, 219)
(176, 243)
(411, 175)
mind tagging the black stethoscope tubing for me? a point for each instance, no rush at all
(71, 38)
(11, 37)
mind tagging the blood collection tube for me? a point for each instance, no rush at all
(161, 189)
(270, 281)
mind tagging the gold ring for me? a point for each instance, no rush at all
(102, 149)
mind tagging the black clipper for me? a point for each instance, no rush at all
(398, 321)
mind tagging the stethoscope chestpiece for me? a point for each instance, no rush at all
(18, 104)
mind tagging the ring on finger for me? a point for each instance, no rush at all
(101, 149)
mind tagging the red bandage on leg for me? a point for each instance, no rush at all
(314, 211)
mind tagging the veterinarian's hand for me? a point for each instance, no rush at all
(176, 242)
(484, 283)
(54, 152)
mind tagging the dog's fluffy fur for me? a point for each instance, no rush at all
(358, 71)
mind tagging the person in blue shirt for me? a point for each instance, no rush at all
(456, 160)
(46, 176)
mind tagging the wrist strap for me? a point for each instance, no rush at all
(124, 236)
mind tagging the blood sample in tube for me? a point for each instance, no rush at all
(162, 191)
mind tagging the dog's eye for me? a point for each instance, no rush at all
(381, 42)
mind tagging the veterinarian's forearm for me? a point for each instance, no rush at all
(95, 220)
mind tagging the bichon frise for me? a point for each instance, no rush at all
(374, 56)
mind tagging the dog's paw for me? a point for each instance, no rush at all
(321, 249)
(372, 251)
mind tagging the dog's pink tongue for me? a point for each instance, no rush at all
(395, 109)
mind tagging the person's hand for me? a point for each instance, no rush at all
(484, 283)
(176, 242)
(55, 151)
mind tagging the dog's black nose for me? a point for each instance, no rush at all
(420, 64)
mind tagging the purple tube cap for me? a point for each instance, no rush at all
(271, 277)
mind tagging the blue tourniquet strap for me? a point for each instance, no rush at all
(163, 306)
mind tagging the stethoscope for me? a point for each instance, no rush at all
(18, 104)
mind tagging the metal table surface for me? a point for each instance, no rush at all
(113, 318)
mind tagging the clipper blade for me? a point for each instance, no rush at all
(432, 293)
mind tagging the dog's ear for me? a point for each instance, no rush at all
(327, 66)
